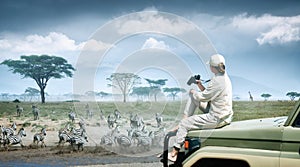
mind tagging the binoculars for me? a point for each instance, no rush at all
(193, 79)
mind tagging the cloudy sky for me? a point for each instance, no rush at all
(260, 40)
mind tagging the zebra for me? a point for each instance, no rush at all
(80, 130)
(19, 110)
(8, 131)
(82, 125)
(117, 114)
(123, 141)
(35, 112)
(63, 136)
(108, 139)
(39, 137)
(72, 116)
(145, 141)
(111, 120)
(101, 114)
(15, 139)
(136, 121)
(159, 119)
(78, 140)
(77, 132)
(89, 112)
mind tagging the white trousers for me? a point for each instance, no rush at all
(192, 104)
(202, 121)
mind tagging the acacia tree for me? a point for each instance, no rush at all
(155, 86)
(174, 91)
(293, 95)
(102, 94)
(266, 96)
(141, 91)
(41, 69)
(32, 92)
(124, 82)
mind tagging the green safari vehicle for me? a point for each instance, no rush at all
(268, 142)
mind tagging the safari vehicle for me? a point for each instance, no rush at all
(269, 142)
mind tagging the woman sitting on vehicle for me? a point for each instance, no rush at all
(218, 95)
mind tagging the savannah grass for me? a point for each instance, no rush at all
(243, 110)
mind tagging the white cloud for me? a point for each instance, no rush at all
(151, 8)
(153, 43)
(37, 44)
(280, 34)
(270, 29)
(4, 44)
(93, 45)
(153, 21)
(54, 43)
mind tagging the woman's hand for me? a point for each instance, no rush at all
(200, 86)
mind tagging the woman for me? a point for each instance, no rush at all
(218, 95)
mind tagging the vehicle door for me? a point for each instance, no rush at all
(290, 148)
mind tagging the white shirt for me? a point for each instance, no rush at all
(219, 93)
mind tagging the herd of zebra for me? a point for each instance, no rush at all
(35, 111)
(135, 135)
(8, 136)
(74, 136)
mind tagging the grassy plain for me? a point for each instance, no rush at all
(56, 111)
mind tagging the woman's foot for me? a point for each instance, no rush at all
(172, 156)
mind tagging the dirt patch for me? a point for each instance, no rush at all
(66, 156)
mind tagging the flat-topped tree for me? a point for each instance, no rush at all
(41, 69)
(174, 91)
(155, 86)
(124, 82)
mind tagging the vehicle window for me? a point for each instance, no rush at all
(297, 121)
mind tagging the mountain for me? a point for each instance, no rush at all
(241, 87)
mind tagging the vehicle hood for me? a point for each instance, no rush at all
(263, 129)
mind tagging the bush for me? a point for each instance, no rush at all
(17, 101)
(26, 124)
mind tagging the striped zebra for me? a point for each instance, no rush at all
(8, 131)
(63, 136)
(78, 140)
(108, 139)
(79, 131)
(136, 121)
(35, 112)
(72, 116)
(117, 114)
(19, 110)
(145, 141)
(111, 120)
(15, 139)
(135, 133)
(82, 125)
(123, 141)
(39, 137)
(159, 119)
